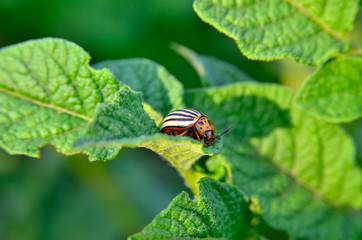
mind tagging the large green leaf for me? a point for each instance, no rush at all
(212, 71)
(308, 31)
(334, 91)
(299, 169)
(122, 119)
(160, 89)
(125, 123)
(48, 94)
(216, 213)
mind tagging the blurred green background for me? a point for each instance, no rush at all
(60, 197)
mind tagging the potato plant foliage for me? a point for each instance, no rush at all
(286, 171)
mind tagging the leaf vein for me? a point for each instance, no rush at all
(47, 105)
(316, 19)
(70, 80)
(32, 74)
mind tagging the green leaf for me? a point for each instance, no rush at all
(308, 31)
(334, 91)
(300, 170)
(212, 71)
(123, 122)
(124, 118)
(157, 117)
(181, 152)
(48, 94)
(160, 89)
(216, 213)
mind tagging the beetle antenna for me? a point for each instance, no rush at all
(224, 132)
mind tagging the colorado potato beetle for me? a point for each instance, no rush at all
(191, 123)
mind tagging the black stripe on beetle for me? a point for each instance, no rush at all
(180, 114)
(179, 119)
(188, 111)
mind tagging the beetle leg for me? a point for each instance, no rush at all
(197, 135)
(184, 133)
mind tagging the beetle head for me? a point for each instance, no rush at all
(209, 137)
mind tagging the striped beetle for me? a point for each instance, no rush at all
(192, 123)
